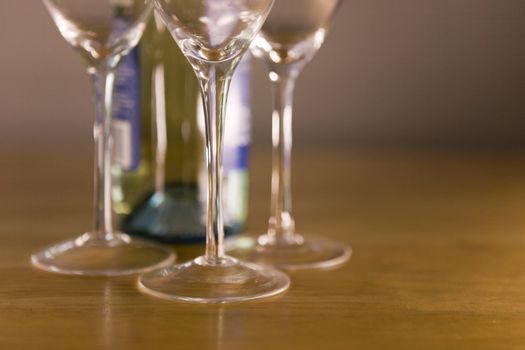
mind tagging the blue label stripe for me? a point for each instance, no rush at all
(236, 158)
(126, 102)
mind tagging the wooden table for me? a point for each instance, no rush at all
(439, 260)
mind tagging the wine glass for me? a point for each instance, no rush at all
(102, 31)
(214, 35)
(290, 37)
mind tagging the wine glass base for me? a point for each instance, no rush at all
(225, 281)
(89, 256)
(303, 252)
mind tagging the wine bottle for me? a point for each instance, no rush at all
(159, 167)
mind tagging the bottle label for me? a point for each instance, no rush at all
(235, 149)
(126, 107)
(237, 121)
(236, 146)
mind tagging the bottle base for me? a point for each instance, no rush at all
(174, 216)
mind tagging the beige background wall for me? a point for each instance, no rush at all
(392, 73)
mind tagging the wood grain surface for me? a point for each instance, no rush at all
(438, 263)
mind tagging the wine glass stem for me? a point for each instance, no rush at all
(281, 224)
(103, 214)
(214, 82)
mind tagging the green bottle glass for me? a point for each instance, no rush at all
(159, 168)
